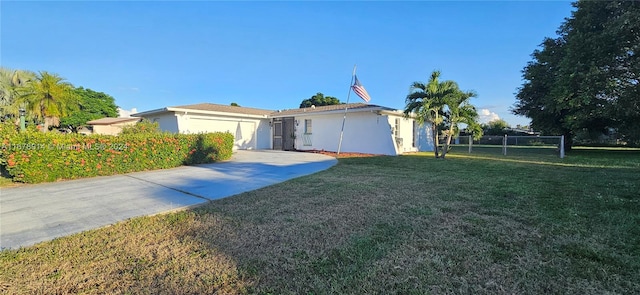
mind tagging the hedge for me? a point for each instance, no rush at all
(34, 157)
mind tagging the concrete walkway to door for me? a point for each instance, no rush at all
(34, 213)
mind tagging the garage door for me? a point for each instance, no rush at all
(244, 133)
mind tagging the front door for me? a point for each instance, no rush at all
(277, 135)
(284, 134)
(288, 134)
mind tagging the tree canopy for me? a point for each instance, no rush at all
(586, 80)
(319, 100)
(50, 99)
(92, 105)
(495, 127)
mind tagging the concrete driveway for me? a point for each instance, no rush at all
(41, 212)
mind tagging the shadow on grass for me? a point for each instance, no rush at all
(386, 225)
(146, 253)
(416, 224)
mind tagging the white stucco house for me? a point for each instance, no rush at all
(249, 126)
(368, 128)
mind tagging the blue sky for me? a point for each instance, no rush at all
(272, 55)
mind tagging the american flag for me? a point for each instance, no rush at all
(359, 90)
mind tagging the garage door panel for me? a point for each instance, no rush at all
(245, 137)
(202, 125)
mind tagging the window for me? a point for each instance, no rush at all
(396, 131)
(307, 126)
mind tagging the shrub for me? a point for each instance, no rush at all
(34, 157)
(143, 127)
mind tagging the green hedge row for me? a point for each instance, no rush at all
(34, 157)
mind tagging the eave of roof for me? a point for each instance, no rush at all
(210, 109)
(339, 108)
(224, 110)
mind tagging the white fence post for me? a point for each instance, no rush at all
(504, 145)
(562, 147)
(470, 142)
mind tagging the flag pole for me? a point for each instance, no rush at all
(344, 118)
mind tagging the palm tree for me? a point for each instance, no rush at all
(11, 84)
(459, 110)
(48, 98)
(427, 102)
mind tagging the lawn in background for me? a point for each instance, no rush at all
(469, 224)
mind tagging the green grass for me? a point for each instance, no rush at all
(6, 182)
(469, 224)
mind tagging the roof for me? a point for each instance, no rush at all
(224, 108)
(109, 121)
(331, 108)
(209, 108)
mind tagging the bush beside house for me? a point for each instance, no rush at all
(34, 157)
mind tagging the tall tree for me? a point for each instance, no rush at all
(48, 98)
(587, 79)
(92, 105)
(426, 102)
(539, 98)
(319, 100)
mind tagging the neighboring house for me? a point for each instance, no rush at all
(368, 128)
(111, 126)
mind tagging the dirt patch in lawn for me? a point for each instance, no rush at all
(342, 154)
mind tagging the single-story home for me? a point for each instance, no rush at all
(249, 126)
(367, 128)
(111, 126)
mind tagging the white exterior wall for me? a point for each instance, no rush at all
(415, 138)
(405, 138)
(263, 132)
(167, 122)
(425, 137)
(248, 133)
(364, 132)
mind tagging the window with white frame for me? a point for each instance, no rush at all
(307, 126)
(396, 130)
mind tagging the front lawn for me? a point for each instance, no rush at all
(470, 224)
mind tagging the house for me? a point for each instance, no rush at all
(111, 126)
(367, 128)
(249, 126)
